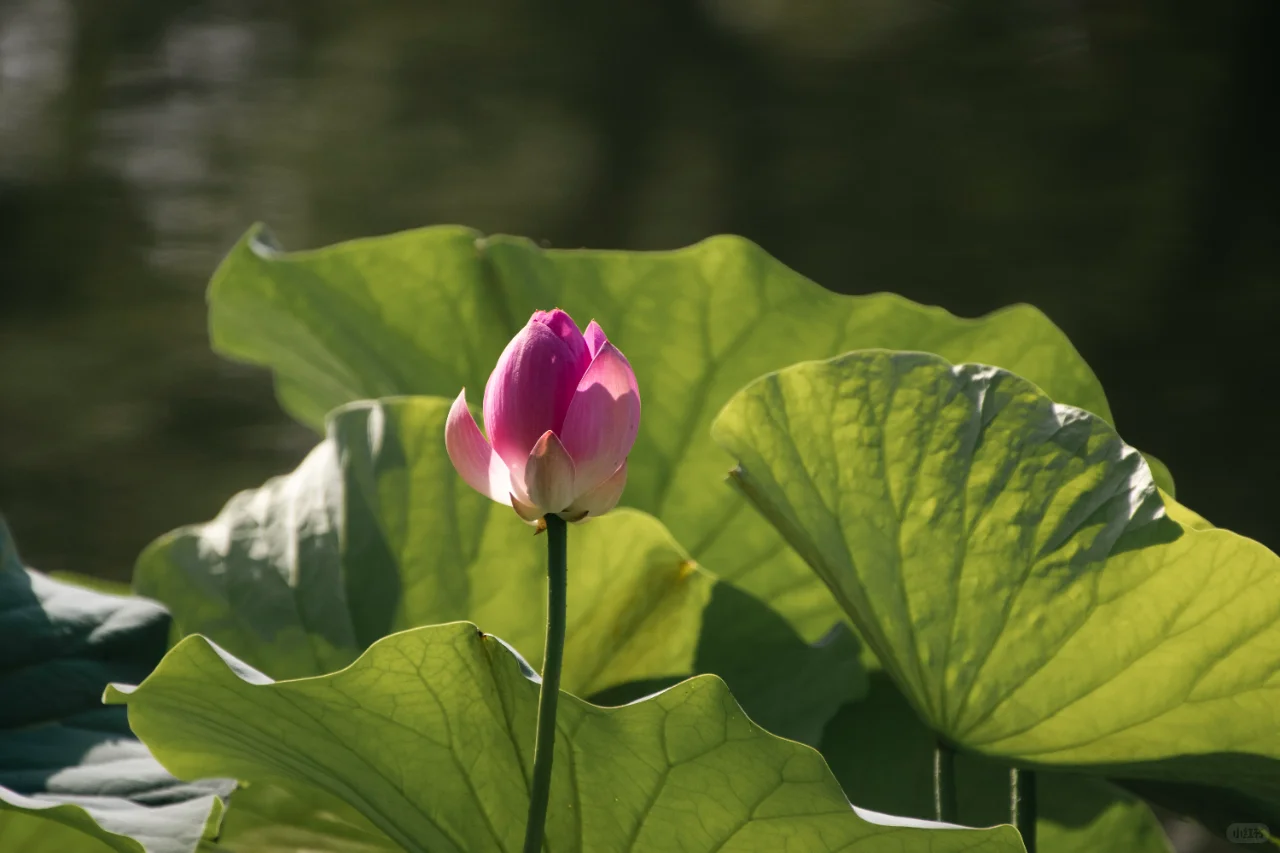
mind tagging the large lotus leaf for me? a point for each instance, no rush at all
(375, 533)
(429, 735)
(1077, 814)
(267, 818)
(1010, 562)
(72, 775)
(429, 311)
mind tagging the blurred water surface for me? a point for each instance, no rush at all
(1112, 163)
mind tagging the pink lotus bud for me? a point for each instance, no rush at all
(561, 409)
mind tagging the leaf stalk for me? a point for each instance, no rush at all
(944, 782)
(549, 694)
(1023, 806)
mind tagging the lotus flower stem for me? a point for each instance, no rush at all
(1022, 792)
(544, 744)
(944, 782)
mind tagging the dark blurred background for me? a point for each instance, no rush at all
(1112, 162)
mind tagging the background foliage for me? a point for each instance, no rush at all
(1106, 162)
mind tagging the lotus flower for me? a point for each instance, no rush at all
(561, 409)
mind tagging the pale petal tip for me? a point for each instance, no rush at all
(595, 337)
(528, 514)
(549, 474)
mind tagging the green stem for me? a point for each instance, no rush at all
(1022, 792)
(944, 782)
(544, 746)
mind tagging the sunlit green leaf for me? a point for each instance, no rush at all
(375, 533)
(428, 312)
(430, 735)
(72, 775)
(1010, 562)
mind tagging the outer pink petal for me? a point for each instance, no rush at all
(548, 476)
(599, 500)
(528, 392)
(481, 468)
(595, 338)
(603, 419)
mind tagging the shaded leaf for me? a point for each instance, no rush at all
(266, 818)
(1077, 814)
(72, 775)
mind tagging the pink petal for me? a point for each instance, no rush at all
(603, 418)
(528, 392)
(528, 514)
(595, 338)
(599, 500)
(566, 330)
(549, 474)
(481, 468)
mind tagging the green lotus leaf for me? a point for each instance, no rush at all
(72, 775)
(429, 311)
(110, 587)
(375, 533)
(267, 818)
(1012, 565)
(1160, 474)
(429, 735)
(101, 824)
(1077, 814)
